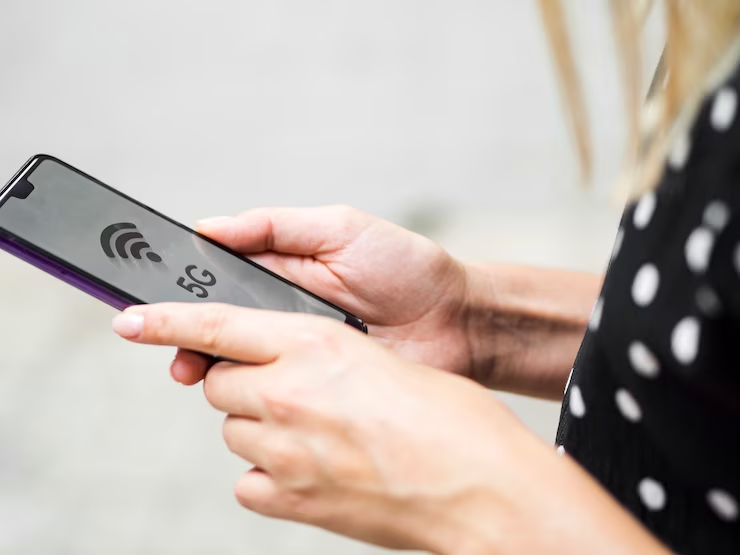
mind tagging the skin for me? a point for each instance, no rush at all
(511, 328)
(361, 435)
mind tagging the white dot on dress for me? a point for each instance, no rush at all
(645, 286)
(561, 450)
(716, 215)
(643, 360)
(618, 243)
(698, 249)
(628, 406)
(723, 109)
(644, 210)
(679, 154)
(708, 301)
(596, 313)
(685, 340)
(723, 504)
(577, 405)
(652, 494)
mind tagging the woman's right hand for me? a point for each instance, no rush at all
(409, 291)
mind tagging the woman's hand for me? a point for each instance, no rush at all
(506, 327)
(407, 289)
(349, 437)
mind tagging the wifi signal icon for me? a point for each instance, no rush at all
(128, 244)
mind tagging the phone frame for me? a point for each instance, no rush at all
(94, 286)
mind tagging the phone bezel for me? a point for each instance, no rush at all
(94, 286)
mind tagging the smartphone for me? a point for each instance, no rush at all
(122, 252)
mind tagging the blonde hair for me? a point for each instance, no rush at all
(699, 49)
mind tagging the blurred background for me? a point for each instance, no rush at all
(441, 116)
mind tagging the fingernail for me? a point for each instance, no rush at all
(128, 325)
(210, 221)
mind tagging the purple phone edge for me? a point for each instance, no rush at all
(58, 271)
(67, 276)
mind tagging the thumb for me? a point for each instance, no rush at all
(298, 231)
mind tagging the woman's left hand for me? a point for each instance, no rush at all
(349, 437)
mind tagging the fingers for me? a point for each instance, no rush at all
(235, 389)
(258, 492)
(269, 449)
(247, 335)
(247, 439)
(190, 367)
(300, 231)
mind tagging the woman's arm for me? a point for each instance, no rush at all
(525, 325)
(549, 507)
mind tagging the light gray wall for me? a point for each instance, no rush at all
(245, 102)
(441, 115)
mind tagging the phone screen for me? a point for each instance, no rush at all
(122, 243)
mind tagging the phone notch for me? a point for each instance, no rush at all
(22, 189)
(19, 187)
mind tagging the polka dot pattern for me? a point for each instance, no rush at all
(652, 494)
(723, 109)
(716, 216)
(723, 504)
(577, 405)
(685, 340)
(628, 406)
(679, 153)
(699, 249)
(645, 286)
(708, 302)
(650, 411)
(644, 210)
(643, 361)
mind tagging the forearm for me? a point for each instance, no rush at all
(567, 513)
(525, 325)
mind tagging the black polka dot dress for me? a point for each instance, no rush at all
(652, 408)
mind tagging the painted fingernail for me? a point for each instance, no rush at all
(211, 221)
(128, 325)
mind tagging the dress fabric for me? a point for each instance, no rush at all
(652, 408)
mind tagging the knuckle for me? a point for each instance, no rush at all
(285, 458)
(304, 507)
(157, 326)
(297, 505)
(319, 333)
(211, 327)
(284, 404)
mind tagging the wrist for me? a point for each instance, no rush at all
(524, 325)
